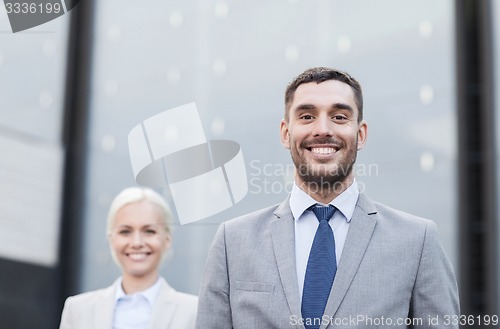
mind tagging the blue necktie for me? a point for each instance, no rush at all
(321, 269)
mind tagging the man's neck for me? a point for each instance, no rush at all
(327, 192)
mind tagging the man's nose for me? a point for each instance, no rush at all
(323, 126)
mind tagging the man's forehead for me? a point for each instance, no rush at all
(330, 91)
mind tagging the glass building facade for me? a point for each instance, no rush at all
(234, 61)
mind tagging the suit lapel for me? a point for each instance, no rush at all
(104, 308)
(358, 237)
(165, 307)
(283, 238)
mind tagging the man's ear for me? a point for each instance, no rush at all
(362, 134)
(284, 134)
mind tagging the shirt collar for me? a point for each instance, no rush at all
(150, 293)
(344, 202)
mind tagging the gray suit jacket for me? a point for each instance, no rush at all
(94, 309)
(392, 270)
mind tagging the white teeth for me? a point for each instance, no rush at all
(140, 256)
(322, 150)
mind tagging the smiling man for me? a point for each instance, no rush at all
(323, 131)
(328, 256)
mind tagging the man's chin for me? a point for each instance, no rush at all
(327, 172)
(322, 180)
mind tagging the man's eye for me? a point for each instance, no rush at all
(150, 231)
(339, 118)
(124, 232)
(307, 117)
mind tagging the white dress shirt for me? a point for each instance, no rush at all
(306, 224)
(134, 311)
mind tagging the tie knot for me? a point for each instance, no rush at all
(323, 212)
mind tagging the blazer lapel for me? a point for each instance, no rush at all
(358, 237)
(283, 238)
(165, 307)
(104, 308)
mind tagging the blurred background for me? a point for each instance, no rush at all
(73, 88)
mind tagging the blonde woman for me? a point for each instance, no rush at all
(139, 236)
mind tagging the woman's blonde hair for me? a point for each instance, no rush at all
(137, 194)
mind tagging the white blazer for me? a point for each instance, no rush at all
(94, 309)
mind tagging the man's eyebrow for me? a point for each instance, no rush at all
(342, 106)
(305, 107)
(335, 106)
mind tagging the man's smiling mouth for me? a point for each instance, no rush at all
(322, 150)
